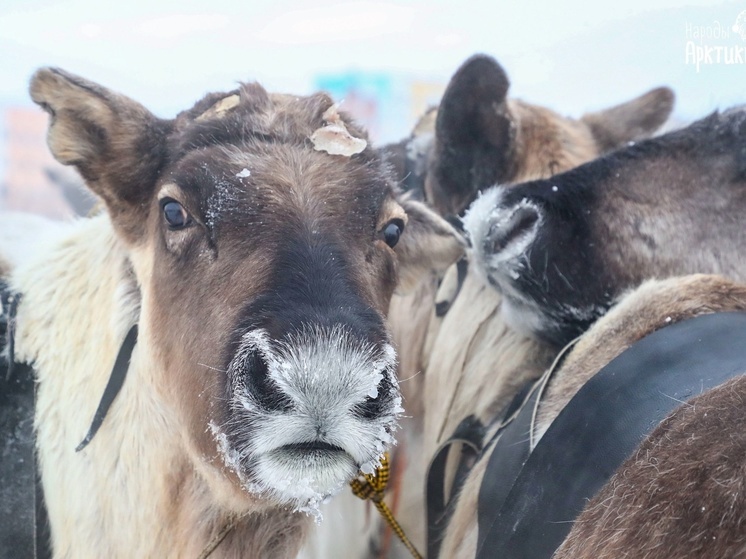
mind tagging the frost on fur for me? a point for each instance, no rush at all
(326, 373)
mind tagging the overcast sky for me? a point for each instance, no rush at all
(572, 56)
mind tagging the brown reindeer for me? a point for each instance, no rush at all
(577, 242)
(479, 135)
(256, 240)
(703, 521)
(691, 468)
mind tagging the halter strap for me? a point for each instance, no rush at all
(113, 386)
(510, 428)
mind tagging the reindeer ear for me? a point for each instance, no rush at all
(474, 134)
(429, 244)
(633, 120)
(115, 143)
(474, 107)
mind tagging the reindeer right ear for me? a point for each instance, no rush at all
(474, 135)
(634, 120)
(115, 143)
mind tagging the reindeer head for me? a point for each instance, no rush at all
(483, 137)
(266, 240)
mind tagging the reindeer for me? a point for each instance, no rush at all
(562, 250)
(579, 242)
(479, 135)
(681, 486)
(255, 240)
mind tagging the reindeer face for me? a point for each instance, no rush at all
(265, 265)
(289, 262)
(563, 250)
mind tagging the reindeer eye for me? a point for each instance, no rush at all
(174, 214)
(392, 231)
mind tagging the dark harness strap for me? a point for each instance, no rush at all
(509, 437)
(469, 434)
(600, 427)
(508, 455)
(113, 386)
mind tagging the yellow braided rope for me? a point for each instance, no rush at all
(370, 488)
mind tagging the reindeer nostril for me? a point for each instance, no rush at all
(502, 233)
(371, 408)
(262, 387)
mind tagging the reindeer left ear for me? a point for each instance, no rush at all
(633, 120)
(429, 244)
(115, 143)
(474, 136)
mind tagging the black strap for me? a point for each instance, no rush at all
(469, 434)
(508, 455)
(602, 425)
(513, 450)
(113, 386)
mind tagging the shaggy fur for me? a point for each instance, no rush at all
(278, 241)
(469, 361)
(692, 502)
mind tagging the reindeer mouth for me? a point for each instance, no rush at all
(311, 455)
(312, 446)
(304, 474)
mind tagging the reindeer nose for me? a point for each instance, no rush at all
(505, 230)
(261, 386)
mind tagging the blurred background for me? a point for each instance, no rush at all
(385, 61)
